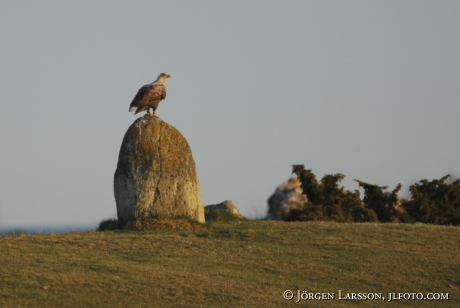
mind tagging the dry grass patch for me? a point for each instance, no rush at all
(237, 264)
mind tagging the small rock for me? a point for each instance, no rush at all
(226, 205)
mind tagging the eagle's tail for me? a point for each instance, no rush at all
(133, 108)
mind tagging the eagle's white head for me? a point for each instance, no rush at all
(162, 78)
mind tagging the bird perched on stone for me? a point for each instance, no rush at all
(150, 95)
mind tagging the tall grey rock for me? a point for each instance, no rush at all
(156, 173)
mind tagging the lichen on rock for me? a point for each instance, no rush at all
(156, 173)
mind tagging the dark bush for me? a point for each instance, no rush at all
(326, 200)
(109, 224)
(381, 203)
(435, 202)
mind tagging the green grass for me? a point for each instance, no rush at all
(240, 263)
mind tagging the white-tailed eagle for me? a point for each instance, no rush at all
(150, 95)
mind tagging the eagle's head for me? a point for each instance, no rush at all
(162, 78)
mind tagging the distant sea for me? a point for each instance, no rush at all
(11, 230)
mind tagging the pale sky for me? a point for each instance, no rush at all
(370, 89)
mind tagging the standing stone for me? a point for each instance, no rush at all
(156, 173)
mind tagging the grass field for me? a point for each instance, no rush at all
(233, 264)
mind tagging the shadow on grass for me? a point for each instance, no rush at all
(221, 216)
(156, 223)
(168, 223)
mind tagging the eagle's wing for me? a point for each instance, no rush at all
(148, 97)
(139, 97)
